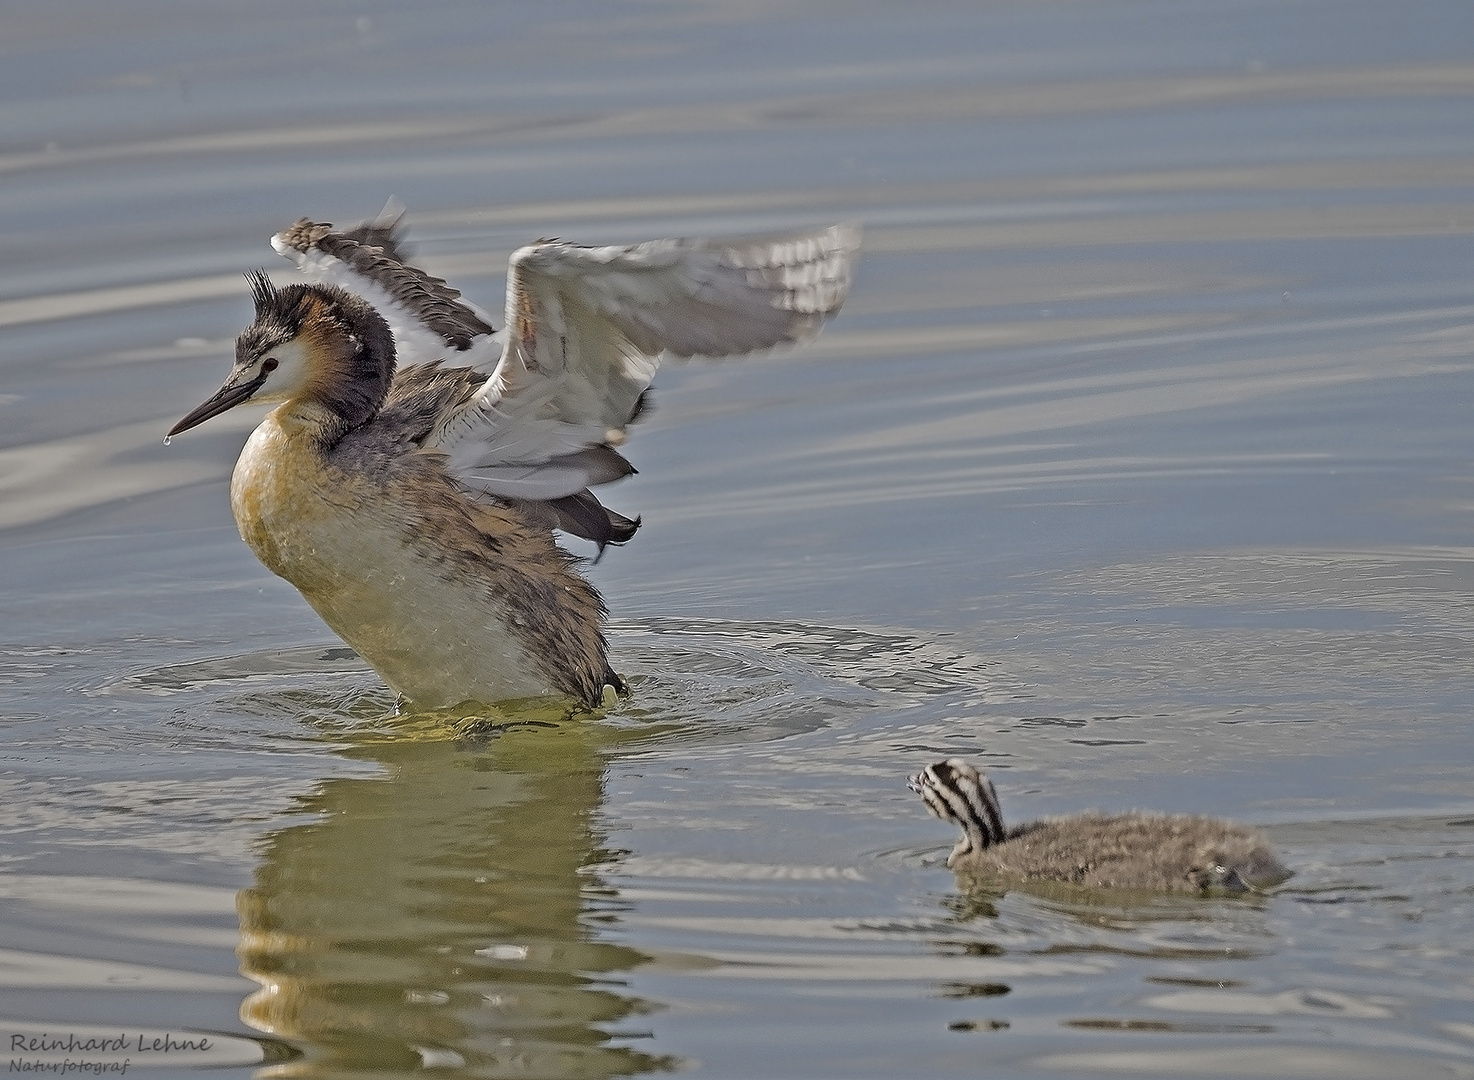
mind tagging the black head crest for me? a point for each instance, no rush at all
(262, 290)
(280, 314)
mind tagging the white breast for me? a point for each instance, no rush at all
(435, 637)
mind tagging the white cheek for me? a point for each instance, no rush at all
(290, 376)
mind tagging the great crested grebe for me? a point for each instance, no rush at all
(1139, 850)
(411, 497)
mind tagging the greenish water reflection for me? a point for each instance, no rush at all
(438, 916)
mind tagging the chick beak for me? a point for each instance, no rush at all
(237, 389)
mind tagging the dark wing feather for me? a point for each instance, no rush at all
(364, 251)
(582, 514)
(420, 395)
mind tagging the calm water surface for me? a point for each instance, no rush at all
(1139, 468)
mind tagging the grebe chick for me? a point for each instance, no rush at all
(413, 503)
(1177, 853)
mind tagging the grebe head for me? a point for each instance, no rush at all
(955, 791)
(308, 343)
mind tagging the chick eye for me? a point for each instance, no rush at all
(268, 365)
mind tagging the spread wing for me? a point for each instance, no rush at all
(586, 327)
(427, 317)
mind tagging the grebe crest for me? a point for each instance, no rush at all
(1137, 851)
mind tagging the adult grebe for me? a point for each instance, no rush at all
(413, 503)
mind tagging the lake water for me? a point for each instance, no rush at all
(1139, 468)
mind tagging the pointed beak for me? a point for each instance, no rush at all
(235, 391)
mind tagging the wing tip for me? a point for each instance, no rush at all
(847, 236)
(301, 237)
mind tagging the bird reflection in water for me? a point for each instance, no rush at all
(435, 915)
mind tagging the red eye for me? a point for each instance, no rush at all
(269, 364)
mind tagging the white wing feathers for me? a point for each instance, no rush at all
(585, 331)
(586, 327)
(695, 297)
